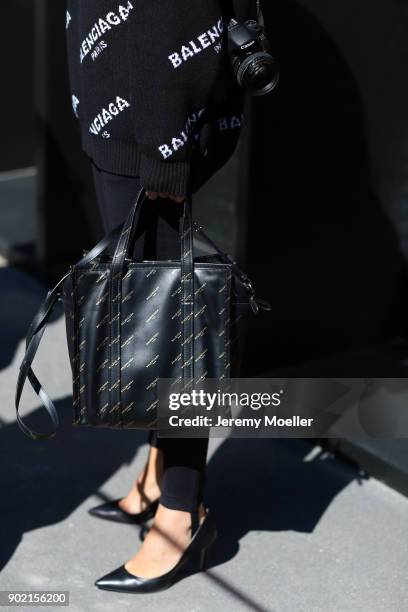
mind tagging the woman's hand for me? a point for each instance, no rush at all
(153, 195)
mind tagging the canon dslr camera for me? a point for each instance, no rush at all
(252, 63)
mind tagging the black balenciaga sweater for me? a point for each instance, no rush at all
(153, 89)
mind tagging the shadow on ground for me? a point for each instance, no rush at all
(261, 485)
(43, 482)
(266, 485)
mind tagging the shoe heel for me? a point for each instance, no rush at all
(204, 558)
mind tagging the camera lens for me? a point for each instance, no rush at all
(259, 74)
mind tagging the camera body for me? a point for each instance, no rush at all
(255, 69)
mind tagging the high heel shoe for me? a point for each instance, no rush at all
(203, 538)
(110, 511)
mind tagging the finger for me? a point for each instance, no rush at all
(152, 195)
(177, 199)
(163, 195)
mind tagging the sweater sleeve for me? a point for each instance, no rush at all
(177, 54)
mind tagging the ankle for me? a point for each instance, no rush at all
(148, 487)
(178, 519)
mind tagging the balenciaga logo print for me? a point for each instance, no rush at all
(75, 104)
(98, 49)
(211, 39)
(129, 356)
(67, 20)
(190, 130)
(230, 123)
(93, 43)
(108, 114)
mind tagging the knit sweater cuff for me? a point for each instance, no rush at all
(165, 177)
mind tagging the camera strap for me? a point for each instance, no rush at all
(259, 14)
(241, 10)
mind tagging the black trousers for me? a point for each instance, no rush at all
(157, 237)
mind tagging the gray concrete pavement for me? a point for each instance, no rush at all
(299, 530)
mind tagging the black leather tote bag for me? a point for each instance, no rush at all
(130, 323)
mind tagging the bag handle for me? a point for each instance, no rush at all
(128, 228)
(187, 295)
(187, 292)
(115, 282)
(122, 250)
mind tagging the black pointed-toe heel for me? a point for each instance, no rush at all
(204, 558)
(110, 511)
(123, 581)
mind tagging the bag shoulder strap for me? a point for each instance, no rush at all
(254, 302)
(35, 333)
(34, 336)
